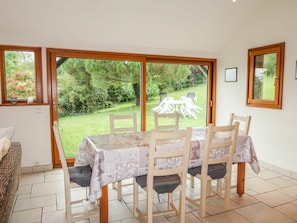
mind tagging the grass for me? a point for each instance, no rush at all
(74, 128)
(268, 88)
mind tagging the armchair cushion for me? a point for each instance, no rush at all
(80, 175)
(7, 132)
(4, 147)
(215, 171)
(162, 184)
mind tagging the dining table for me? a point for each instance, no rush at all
(115, 157)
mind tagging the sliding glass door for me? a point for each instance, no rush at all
(86, 87)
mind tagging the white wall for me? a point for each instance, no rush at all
(273, 131)
(32, 129)
(169, 27)
(156, 27)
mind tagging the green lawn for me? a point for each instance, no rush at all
(74, 128)
(268, 88)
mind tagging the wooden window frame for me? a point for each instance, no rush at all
(38, 74)
(279, 49)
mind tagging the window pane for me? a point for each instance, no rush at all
(20, 75)
(265, 74)
(88, 91)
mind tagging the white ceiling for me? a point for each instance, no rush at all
(182, 25)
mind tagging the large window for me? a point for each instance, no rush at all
(86, 87)
(265, 76)
(21, 78)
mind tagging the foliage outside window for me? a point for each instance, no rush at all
(86, 88)
(265, 76)
(20, 74)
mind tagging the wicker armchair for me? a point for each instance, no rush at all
(10, 171)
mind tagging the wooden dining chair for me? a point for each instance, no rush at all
(165, 148)
(75, 177)
(244, 123)
(122, 123)
(192, 95)
(217, 164)
(244, 127)
(189, 108)
(166, 121)
(165, 106)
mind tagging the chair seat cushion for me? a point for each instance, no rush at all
(162, 184)
(80, 175)
(215, 171)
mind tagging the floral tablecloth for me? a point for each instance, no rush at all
(122, 156)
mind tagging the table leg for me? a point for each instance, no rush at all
(240, 178)
(104, 205)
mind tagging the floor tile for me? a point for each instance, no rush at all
(226, 217)
(281, 181)
(269, 197)
(54, 217)
(25, 189)
(28, 216)
(274, 198)
(289, 210)
(260, 186)
(268, 174)
(291, 191)
(32, 178)
(261, 213)
(36, 202)
(244, 200)
(43, 189)
(121, 210)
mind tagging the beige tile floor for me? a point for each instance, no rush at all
(269, 197)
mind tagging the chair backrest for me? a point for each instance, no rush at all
(61, 150)
(192, 95)
(168, 121)
(77, 215)
(165, 148)
(124, 123)
(219, 146)
(244, 123)
(166, 106)
(65, 169)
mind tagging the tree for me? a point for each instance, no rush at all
(98, 83)
(168, 77)
(20, 74)
(76, 92)
(121, 77)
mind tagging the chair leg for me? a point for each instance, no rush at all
(119, 185)
(209, 188)
(149, 207)
(135, 198)
(192, 179)
(68, 205)
(182, 209)
(170, 200)
(227, 191)
(203, 195)
(219, 186)
(87, 193)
